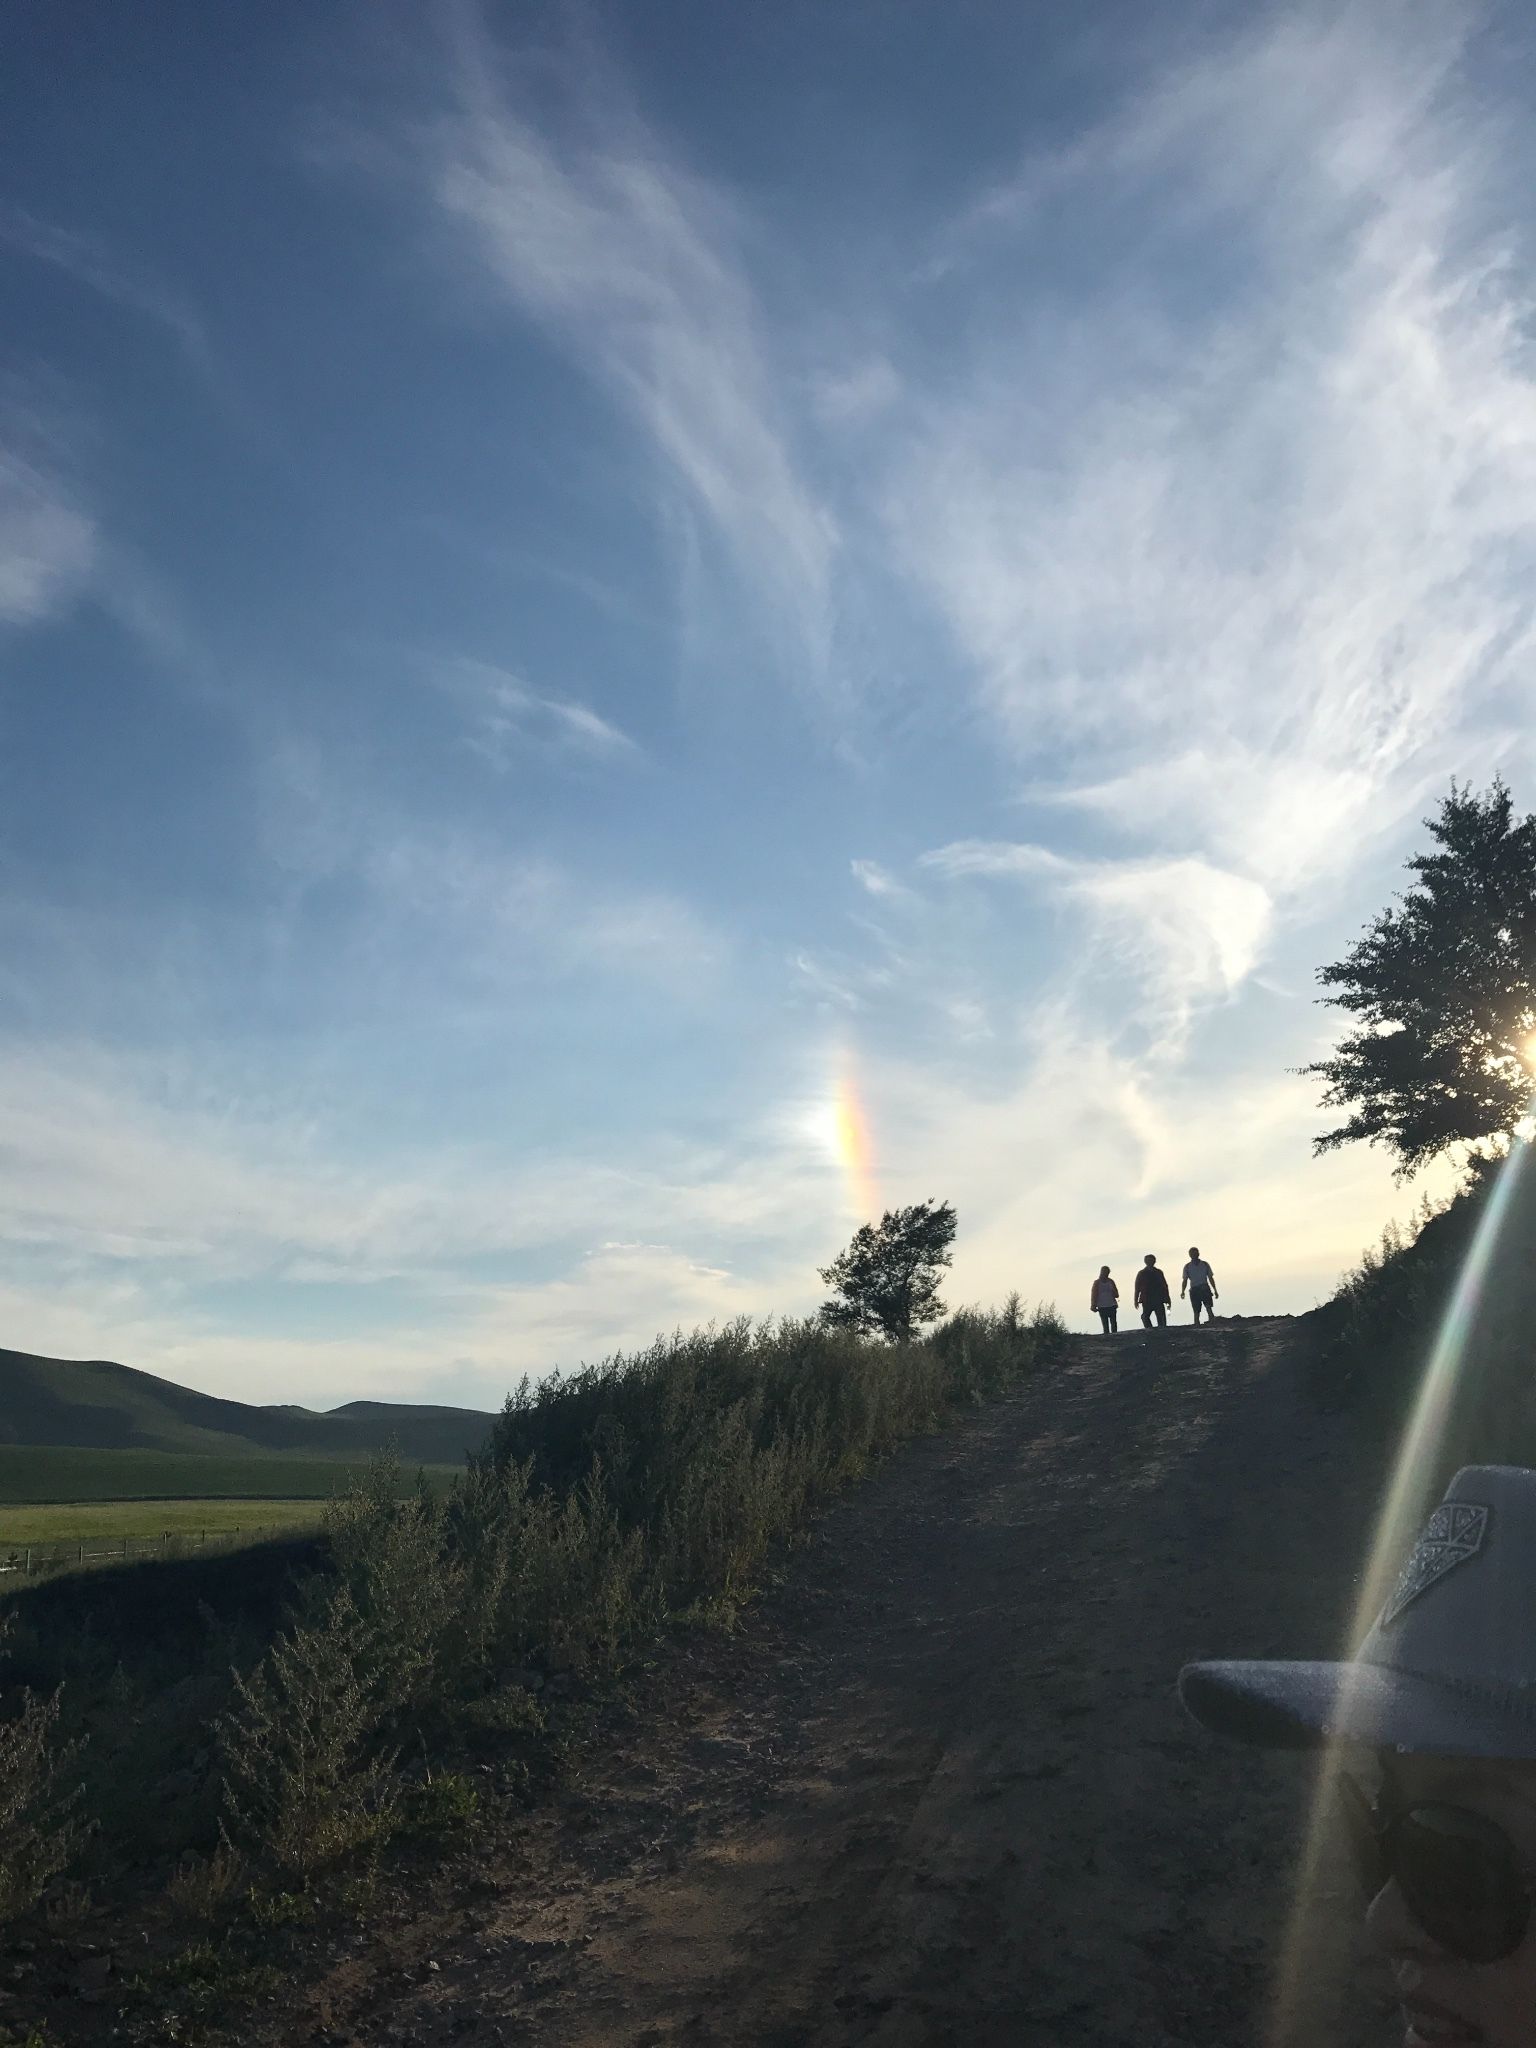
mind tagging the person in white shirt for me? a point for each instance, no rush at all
(1200, 1285)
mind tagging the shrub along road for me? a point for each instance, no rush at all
(939, 1787)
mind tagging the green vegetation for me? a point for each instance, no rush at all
(1443, 988)
(1376, 1336)
(92, 1404)
(41, 1473)
(256, 1726)
(39, 1829)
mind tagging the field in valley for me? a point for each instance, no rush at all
(94, 1523)
(36, 1473)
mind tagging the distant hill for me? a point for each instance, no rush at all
(91, 1404)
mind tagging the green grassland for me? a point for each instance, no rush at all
(97, 1523)
(42, 1472)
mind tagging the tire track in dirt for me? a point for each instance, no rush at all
(940, 1789)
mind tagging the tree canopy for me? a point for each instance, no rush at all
(887, 1282)
(1443, 988)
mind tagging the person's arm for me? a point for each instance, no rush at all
(1215, 1290)
(1183, 1283)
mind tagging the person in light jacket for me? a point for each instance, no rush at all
(1105, 1298)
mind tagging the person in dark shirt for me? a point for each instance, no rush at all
(1153, 1293)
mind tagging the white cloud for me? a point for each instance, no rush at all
(46, 542)
(110, 1160)
(1189, 932)
(509, 716)
(1262, 558)
(511, 915)
(879, 881)
(630, 262)
(858, 395)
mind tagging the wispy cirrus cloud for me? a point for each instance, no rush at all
(47, 541)
(591, 229)
(1189, 933)
(91, 262)
(508, 716)
(879, 882)
(496, 916)
(1246, 519)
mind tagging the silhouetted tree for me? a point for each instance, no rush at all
(887, 1281)
(1444, 988)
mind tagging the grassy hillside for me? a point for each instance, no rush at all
(47, 1472)
(1375, 1338)
(95, 1405)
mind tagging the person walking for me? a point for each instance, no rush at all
(1434, 1712)
(1153, 1294)
(1199, 1283)
(1105, 1297)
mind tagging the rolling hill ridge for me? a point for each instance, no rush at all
(94, 1404)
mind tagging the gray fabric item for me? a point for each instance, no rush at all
(1449, 1667)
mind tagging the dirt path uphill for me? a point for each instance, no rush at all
(940, 1789)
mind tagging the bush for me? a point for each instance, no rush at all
(307, 1777)
(350, 1679)
(39, 1827)
(1374, 1340)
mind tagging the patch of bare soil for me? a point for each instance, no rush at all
(940, 1788)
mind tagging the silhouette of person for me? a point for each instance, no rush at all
(1153, 1293)
(1105, 1297)
(1200, 1283)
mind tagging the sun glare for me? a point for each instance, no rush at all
(1417, 1457)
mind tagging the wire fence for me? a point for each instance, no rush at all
(28, 1559)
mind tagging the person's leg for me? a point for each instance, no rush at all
(1114, 1321)
(1146, 1315)
(1162, 1315)
(1104, 1320)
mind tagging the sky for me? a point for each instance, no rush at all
(627, 633)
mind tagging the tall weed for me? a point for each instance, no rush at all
(39, 1816)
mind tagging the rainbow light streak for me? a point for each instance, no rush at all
(1395, 1529)
(855, 1151)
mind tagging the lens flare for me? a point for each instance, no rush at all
(1402, 1507)
(856, 1153)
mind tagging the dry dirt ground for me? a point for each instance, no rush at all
(939, 1787)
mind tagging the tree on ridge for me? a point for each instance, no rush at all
(1443, 988)
(887, 1281)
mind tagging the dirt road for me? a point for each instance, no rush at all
(939, 1789)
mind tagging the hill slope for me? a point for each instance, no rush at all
(92, 1404)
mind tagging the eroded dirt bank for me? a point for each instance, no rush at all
(939, 1789)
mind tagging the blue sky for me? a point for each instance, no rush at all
(577, 582)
